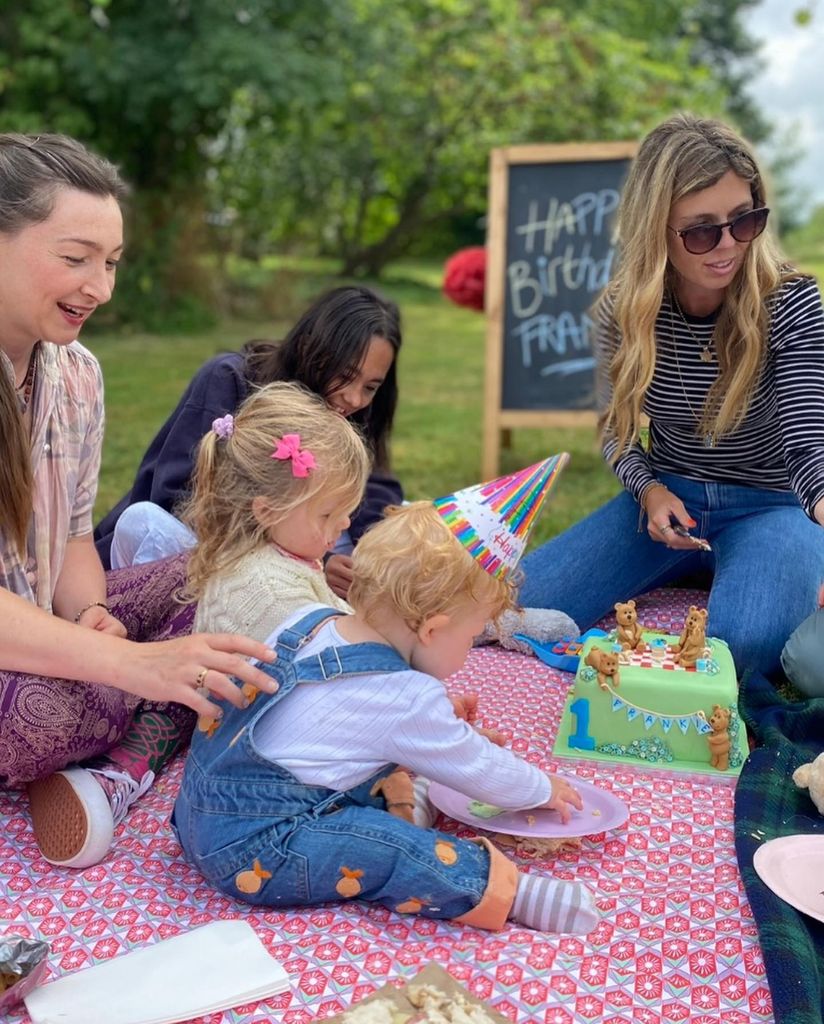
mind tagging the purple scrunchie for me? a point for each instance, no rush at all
(224, 426)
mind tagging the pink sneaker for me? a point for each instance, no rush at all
(75, 812)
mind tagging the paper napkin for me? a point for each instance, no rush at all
(216, 967)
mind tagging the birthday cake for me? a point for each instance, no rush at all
(647, 698)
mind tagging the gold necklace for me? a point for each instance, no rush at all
(708, 440)
(706, 355)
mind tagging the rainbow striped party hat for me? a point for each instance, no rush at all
(493, 520)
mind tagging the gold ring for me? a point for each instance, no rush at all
(201, 678)
(665, 529)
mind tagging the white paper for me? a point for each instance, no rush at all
(216, 967)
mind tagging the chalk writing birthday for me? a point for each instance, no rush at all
(560, 258)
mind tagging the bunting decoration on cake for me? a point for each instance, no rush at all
(493, 520)
(697, 720)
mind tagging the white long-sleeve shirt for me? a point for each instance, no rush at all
(339, 733)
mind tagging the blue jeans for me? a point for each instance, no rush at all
(767, 561)
(259, 834)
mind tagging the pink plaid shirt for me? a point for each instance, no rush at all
(66, 441)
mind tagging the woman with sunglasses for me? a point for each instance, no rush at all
(707, 332)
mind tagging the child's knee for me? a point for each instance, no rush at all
(803, 656)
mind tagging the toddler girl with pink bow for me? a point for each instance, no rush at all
(274, 487)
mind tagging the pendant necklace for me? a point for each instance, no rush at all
(25, 388)
(706, 355)
(708, 440)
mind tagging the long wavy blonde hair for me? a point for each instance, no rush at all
(680, 157)
(233, 471)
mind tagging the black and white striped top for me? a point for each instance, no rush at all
(780, 444)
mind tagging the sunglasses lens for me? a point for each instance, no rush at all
(749, 225)
(701, 238)
(704, 237)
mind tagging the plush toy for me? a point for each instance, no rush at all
(396, 790)
(719, 738)
(629, 628)
(811, 776)
(693, 637)
(541, 624)
(605, 664)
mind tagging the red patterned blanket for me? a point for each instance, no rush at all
(676, 943)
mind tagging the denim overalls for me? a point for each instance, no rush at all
(260, 835)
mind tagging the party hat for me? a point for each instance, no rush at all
(493, 520)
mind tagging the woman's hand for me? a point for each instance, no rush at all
(99, 618)
(563, 798)
(338, 571)
(662, 506)
(190, 669)
(818, 511)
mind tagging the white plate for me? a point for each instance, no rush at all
(793, 867)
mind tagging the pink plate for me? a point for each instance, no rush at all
(791, 867)
(601, 811)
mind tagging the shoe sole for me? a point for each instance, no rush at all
(63, 808)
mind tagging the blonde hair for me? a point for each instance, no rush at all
(412, 563)
(680, 157)
(233, 471)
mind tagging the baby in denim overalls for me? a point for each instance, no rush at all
(280, 803)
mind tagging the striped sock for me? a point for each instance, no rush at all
(552, 905)
(424, 814)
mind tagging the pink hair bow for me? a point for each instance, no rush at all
(224, 426)
(288, 447)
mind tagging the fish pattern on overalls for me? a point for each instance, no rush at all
(259, 834)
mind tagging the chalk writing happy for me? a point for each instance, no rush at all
(567, 248)
(586, 214)
(560, 255)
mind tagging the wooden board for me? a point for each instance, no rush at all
(437, 977)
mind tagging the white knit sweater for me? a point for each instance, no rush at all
(259, 592)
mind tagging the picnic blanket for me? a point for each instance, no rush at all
(677, 941)
(768, 805)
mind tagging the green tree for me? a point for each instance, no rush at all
(430, 86)
(150, 85)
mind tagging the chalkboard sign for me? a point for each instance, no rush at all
(550, 249)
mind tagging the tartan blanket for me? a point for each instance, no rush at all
(768, 805)
(676, 943)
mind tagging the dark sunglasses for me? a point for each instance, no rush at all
(704, 237)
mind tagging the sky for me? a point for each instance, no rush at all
(790, 88)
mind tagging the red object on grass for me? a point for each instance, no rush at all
(464, 277)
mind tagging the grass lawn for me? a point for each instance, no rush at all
(437, 440)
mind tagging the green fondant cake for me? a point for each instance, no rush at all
(654, 711)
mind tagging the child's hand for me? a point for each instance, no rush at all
(466, 706)
(563, 798)
(494, 736)
(338, 570)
